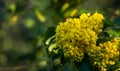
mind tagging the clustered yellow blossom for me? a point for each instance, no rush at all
(75, 35)
(94, 22)
(105, 54)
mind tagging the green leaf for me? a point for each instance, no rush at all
(108, 23)
(29, 23)
(50, 32)
(82, 11)
(113, 31)
(85, 65)
(49, 40)
(12, 7)
(51, 47)
(103, 37)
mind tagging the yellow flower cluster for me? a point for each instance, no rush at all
(93, 22)
(105, 54)
(76, 34)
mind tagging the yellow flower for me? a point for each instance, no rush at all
(75, 35)
(111, 62)
(95, 21)
(105, 54)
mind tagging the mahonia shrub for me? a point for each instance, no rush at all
(79, 36)
(76, 35)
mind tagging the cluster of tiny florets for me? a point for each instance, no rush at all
(94, 22)
(75, 35)
(105, 54)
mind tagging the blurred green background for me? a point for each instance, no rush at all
(24, 23)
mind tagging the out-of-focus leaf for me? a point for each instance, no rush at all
(113, 31)
(12, 7)
(68, 13)
(57, 61)
(40, 40)
(40, 16)
(73, 13)
(29, 23)
(41, 54)
(65, 6)
(43, 63)
(117, 69)
(108, 23)
(117, 12)
(14, 19)
(82, 11)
